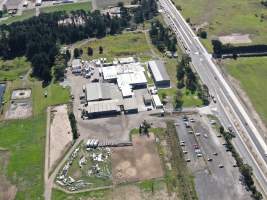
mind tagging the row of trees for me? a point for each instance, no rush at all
(147, 10)
(244, 168)
(163, 38)
(187, 79)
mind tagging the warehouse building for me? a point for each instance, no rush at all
(159, 74)
(102, 108)
(101, 92)
(156, 102)
(128, 77)
(76, 66)
(12, 6)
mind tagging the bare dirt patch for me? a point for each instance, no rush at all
(19, 109)
(100, 4)
(7, 190)
(60, 133)
(21, 94)
(138, 162)
(235, 38)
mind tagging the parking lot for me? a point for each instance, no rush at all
(216, 176)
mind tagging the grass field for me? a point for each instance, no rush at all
(59, 195)
(128, 44)
(25, 140)
(25, 15)
(228, 16)
(68, 7)
(252, 74)
(12, 69)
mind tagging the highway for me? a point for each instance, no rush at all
(230, 111)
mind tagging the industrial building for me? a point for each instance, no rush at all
(156, 102)
(76, 66)
(102, 108)
(11, 6)
(105, 99)
(128, 76)
(159, 74)
(110, 107)
(101, 91)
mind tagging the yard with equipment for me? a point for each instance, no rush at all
(226, 17)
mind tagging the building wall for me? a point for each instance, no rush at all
(163, 84)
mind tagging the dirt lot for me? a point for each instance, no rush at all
(21, 94)
(7, 191)
(60, 133)
(19, 109)
(100, 4)
(133, 192)
(235, 39)
(138, 162)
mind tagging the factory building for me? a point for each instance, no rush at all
(128, 76)
(156, 102)
(101, 92)
(102, 108)
(159, 74)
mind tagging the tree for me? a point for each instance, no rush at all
(203, 34)
(90, 51)
(178, 99)
(101, 49)
(68, 55)
(40, 63)
(73, 124)
(217, 46)
(76, 53)
(221, 129)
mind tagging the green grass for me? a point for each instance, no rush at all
(189, 99)
(25, 15)
(128, 44)
(228, 16)
(252, 73)
(13, 69)
(67, 7)
(151, 185)
(25, 140)
(99, 194)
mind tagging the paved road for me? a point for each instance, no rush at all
(232, 113)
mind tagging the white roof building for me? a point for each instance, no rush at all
(76, 64)
(156, 101)
(133, 79)
(128, 76)
(159, 73)
(126, 60)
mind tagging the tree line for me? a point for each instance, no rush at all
(163, 38)
(39, 38)
(187, 79)
(245, 169)
(220, 49)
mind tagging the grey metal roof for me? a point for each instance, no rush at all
(12, 4)
(101, 91)
(102, 106)
(130, 104)
(158, 70)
